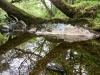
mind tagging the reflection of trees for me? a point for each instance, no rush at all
(41, 64)
(4, 66)
(3, 39)
(11, 55)
(15, 42)
(54, 53)
(85, 61)
(26, 52)
(87, 55)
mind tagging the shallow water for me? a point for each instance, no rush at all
(36, 54)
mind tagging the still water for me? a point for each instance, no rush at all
(26, 53)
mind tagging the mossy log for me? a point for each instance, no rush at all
(20, 14)
(31, 19)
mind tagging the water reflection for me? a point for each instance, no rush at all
(29, 54)
(68, 32)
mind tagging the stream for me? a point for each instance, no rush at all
(60, 49)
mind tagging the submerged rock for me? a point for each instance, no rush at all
(55, 67)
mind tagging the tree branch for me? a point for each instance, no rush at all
(20, 14)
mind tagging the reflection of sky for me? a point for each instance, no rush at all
(19, 64)
(16, 66)
(22, 64)
(31, 47)
(60, 27)
(16, 62)
(5, 73)
(68, 54)
(77, 67)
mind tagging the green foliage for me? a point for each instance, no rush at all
(2, 17)
(3, 39)
(36, 8)
(32, 40)
(59, 14)
(86, 4)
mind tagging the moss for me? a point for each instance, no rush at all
(80, 22)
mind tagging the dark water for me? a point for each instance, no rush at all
(31, 54)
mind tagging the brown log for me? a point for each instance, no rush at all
(65, 8)
(20, 14)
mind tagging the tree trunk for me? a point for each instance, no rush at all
(31, 19)
(65, 8)
(48, 10)
(20, 14)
